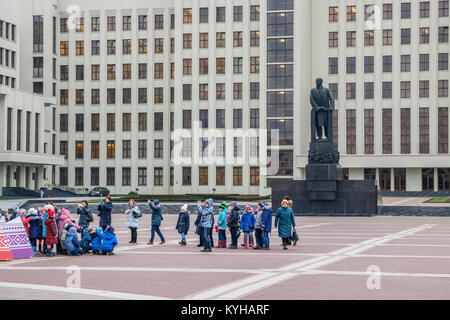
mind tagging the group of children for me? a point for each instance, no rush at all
(48, 227)
(256, 225)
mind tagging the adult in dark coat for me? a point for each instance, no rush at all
(233, 224)
(284, 220)
(105, 209)
(85, 215)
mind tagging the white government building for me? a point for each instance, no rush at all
(97, 93)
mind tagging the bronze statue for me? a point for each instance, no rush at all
(322, 102)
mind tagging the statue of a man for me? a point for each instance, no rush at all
(322, 102)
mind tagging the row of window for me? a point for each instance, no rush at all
(405, 11)
(203, 64)
(7, 81)
(142, 44)
(142, 23)
(386, 87)
(7, 30)
(219, 150)
(405, 130)
(142, 120)
(405, 63)
(399, 175)
(158, 94)
(7, 58)
(158, 177)
(405, 37)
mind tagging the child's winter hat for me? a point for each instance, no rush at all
(233, 204)
(284, 202)
(67, 226)
(184, 207)
(22, 212)
(209, 201)
(265, 204)
(156, 202)
(223, 205)
(111, 229)
(261, 204)
(247, 208)
(32, 211)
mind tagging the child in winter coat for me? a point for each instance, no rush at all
(134, 214)
(109, 241)
(266, 225)
(233, 224)
(63, 236)
(72, 245)
(35, 228)
(86, 239)
(222, 225)
(50, 229)
(25, 220)
(258, 231)
(247, 226)
(96, 242)
(156, 222)
(183, 224)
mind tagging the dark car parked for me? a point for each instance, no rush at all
(98, 192)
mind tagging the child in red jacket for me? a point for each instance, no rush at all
(50, 229)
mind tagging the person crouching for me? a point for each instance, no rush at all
(72, 245)
(109, 241)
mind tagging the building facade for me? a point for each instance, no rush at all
(186, 96)
(28, 157)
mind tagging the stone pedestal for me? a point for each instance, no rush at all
(324, 192)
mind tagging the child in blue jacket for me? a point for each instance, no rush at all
(86, 239)
(109, 241)
(96, 242)
(247, 226)
(266, 225)
(72, 245)
(222, 225)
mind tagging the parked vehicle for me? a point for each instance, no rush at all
(99, 192)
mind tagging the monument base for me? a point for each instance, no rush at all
(327, 198)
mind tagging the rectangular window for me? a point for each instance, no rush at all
(254, 176)
(351, 131)
(126, 149)
(159, 21)
(443, 130)
(220, 118)
(110, 176)
(159, 121)
(237, 176)
(142, 149)
(220, 176)
(405, 127)
(142, 22)
(203, 40)
(142, 176)
(110, 149)
(368, 131)
(424, 131)
(95, 149)
(126, 176)
(158, 149)
(158, 177)
(204, 15)
(111, 122)
(237, 118)
(111, 23)
(220, 39)
(79, 176)
(187, 176)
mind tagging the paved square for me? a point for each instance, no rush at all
(411, 256)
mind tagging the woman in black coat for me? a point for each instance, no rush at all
(85, 215)
(105, 209)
